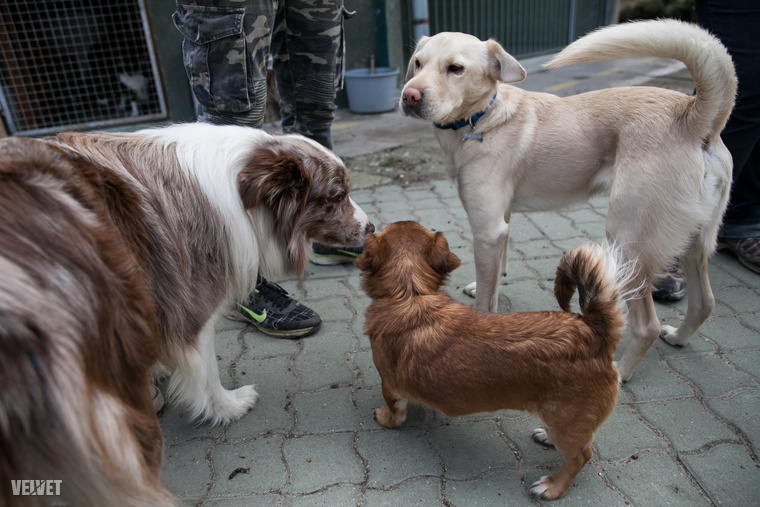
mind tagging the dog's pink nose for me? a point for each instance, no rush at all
(411, 96)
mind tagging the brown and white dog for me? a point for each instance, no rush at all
(120, 250)
(460, 360)
(657, 152)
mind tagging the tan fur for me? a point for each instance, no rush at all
(656, 152)
(459, 360)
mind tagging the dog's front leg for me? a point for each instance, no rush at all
(490, 250)
(195, 382)
(394, 413)
(488, 211)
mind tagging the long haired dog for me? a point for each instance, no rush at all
(657, 152)
(460, 360)
(118, 250)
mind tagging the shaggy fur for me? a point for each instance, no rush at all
(459, 360)
(657, 152)
(119, 250)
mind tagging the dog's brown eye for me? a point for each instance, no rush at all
(456, 69)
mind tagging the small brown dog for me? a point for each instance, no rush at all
(459, 360)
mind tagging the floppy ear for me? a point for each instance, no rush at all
(440, 257)
(373, 253)
(410, 67)
(278, 181)
(503, 65)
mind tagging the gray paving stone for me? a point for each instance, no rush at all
(729, 333)
(654, 479)
(333, 289)
(685, 423)
(370, 375)
(185, 472)
(317, 370)
(332, 309)
(273, 382)
(540, 248)
(244, 501)
(422, 492)
(623, 435)
(712, 376)
(397, 455)
(177, 426)
(727, 473)
(325, 411)
(741, 411)
(651, 380)
(498, 488)
(469, 449)
(335, 496)
(317, 461)
(741, 299)
(748, 361)
(553, 225)
(261, 455)
(264, 346)
(518, 431)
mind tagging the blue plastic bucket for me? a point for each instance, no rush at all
(371, 93)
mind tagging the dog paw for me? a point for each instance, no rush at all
(469, 289)
(670, 335)
(541, 436)
(233, 405)
(385, 418)
(540, 488)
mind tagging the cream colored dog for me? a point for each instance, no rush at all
(657, 152)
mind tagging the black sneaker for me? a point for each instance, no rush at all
(273, 312)
(670, 285)
(324, 255)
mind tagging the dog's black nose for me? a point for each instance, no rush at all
(369, 229)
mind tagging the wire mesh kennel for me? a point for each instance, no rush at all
(76, 64)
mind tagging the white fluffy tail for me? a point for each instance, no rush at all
(706, 58)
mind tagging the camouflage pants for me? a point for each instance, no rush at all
(226, 50)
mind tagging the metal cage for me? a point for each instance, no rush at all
(77, 64)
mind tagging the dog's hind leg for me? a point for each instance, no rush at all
(644, 329)
(195, 382)
(576, 451)
(699, 293)
(394, 413)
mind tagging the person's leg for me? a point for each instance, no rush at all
(225, 53)
(732, 21)
(307, 45)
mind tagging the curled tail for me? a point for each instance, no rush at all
(601, 280)
(706, 58)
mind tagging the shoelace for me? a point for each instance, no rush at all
(273, 293)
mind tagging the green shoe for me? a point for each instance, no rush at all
(274, 313)
(324, 255)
